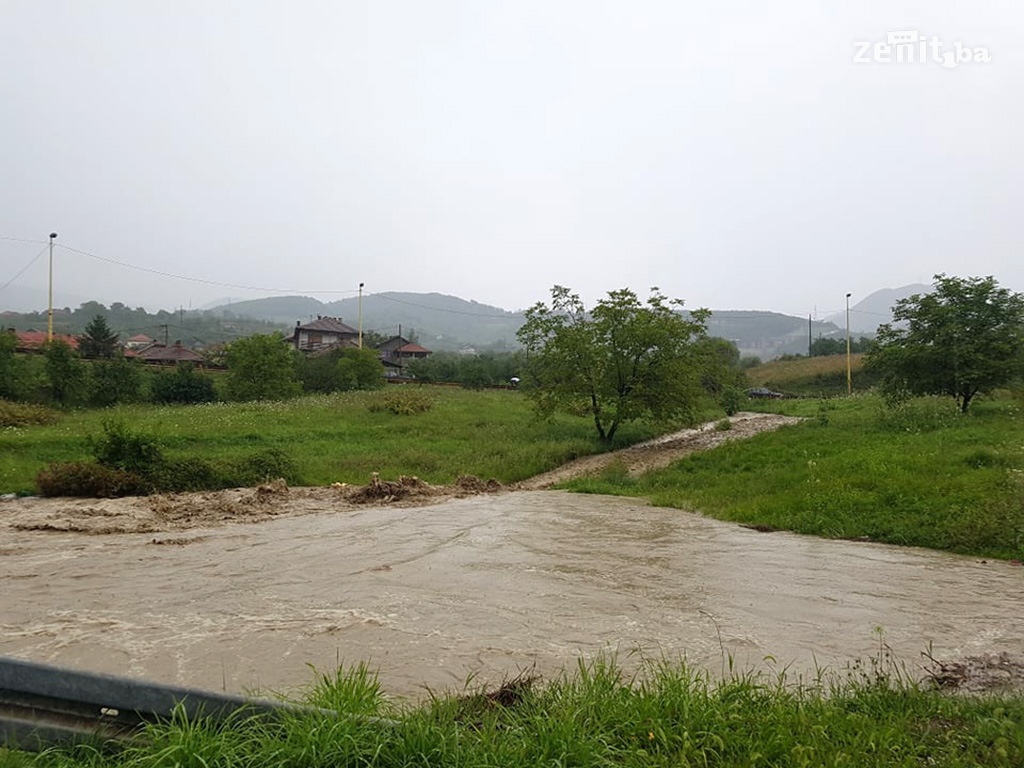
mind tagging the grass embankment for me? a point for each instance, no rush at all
(920, 474)
(823, 376)
(333, 438)
(670, 716)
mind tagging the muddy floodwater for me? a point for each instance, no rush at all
(484, 587)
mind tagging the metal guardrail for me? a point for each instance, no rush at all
(43, 705)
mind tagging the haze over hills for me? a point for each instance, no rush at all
(442, 322)
(868, 313)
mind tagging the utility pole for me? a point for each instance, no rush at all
(49, 311)
(360, 315)
(849, 375)
(810, 338)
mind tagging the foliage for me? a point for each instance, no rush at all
(24, 414)
(596, 713)
(185, 385)
(12, 373)
(360, 369)
(87, 479)
(114, 381)
(622, 361)
(319, 373)
(120, 448)
(472, 371)
(404, 402)
(824, 346)
(261, 367)
(813, 376)
(65, 373)
(963, 339)
(921, 475)
(98, 341)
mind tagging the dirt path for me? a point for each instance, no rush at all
(662, 451)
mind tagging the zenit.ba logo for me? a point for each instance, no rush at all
(910, 47)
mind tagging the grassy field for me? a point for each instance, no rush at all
(333, 438)
(668, 716)
(823, 376)
(920, 475)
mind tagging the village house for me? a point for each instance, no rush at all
(323, 333)
(396, 353)
(158, 353)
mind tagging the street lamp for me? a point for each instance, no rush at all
(360, 315)
(49, 311)
(849, 377)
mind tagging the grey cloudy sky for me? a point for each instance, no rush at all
(730, 152)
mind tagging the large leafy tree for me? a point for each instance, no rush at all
(65, 373)
(261, 367)
(964, 338)
(360, 369)
(98, 341)
(623, 360)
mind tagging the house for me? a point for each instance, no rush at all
(323, 333)
(138, 341)
(396, 353)
(33, 341)
(158, 353)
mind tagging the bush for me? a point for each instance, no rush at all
(401, 403)
(84, 478)
(184, 386)
(119, 448)
(733, 399)
(23, 414)
(260, 467)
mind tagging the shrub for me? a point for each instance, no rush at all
(184, 385)
(23, 414)
(401, 403)
(723, 425)
(120, 448)
(191, 474)
(85, 478)
(260, 467)
(733, 399)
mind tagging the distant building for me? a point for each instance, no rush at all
(161, 354)
(396, 353)
(322, 334)
(33, 341)
(139, 341)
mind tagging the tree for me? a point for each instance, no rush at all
(623, 360)
(98, 340)
(183, 385)
(115, 381)
(261, 367)
(64, 372)
(964, 338)
(360, 369)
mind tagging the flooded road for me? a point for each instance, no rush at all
(484, 586)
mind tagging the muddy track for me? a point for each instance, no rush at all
(661, 451)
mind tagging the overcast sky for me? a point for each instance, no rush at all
(730, 152)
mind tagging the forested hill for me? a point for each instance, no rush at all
(437, 320)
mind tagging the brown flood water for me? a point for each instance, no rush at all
(485, 586)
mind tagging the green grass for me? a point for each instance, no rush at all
(668, 715)
(332, 438)
(823, 376)
(919, 475)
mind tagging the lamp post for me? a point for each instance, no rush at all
(49, 311)
(360, 315)
(849, 376)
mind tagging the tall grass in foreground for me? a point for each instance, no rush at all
(334, 438)
(920, 474)
(669, 715)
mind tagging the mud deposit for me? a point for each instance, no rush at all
(486, 585)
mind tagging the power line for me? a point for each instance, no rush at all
(22, 270)
(204, 281)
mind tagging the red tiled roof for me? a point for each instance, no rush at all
(175, 352)
(410, 348)
(329, 324)
(140, 337)
(36, 339)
